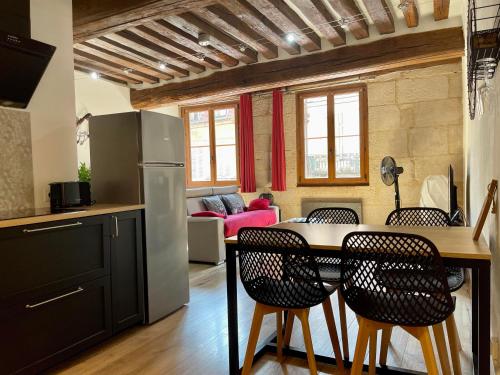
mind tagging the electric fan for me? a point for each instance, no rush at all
(389, 172)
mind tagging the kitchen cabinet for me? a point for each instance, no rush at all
(67, 285)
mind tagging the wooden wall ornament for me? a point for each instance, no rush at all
(489, 200)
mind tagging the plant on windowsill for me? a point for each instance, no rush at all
(84, 173)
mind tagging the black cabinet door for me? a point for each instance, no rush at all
(42, 330)
(127, 280)
(53, 255)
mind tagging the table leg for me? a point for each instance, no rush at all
(232, 310)
(484, 319)
(475, 309)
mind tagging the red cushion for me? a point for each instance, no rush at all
(260, 218)
(258, 204)
(207, 214)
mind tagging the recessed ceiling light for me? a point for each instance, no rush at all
(290, 37)
(94, 75)
(203, 39)
(162, 66)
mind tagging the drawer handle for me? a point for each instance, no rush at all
(77, 224)
(78, 290)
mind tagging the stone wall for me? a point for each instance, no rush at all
(414, 116)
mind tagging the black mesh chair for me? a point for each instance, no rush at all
(278, 272)
(432, 217)
(428, 217)
(416, 296)
(329, 268)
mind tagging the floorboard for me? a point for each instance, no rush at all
(193, 340)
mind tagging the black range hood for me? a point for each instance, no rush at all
(22, 64)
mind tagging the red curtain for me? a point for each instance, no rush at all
(278, 144)
(247, 161)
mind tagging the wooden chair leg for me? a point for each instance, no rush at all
(451, 329)
(289, 328)
(441, 348)
(361, 344)
(343, 325)
(279, 333)
(372, 369)
(332, 330)
(384, 345)
(304, 320)
(258, 315)
(425, 341)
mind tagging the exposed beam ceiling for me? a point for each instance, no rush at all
(392, 53)
(94, 18)
(441, 9)
(83, 69)
(317, 13)
(351, 14)
(381, 15)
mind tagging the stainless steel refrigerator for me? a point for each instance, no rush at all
(138, 157)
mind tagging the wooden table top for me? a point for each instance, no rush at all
(452, 242)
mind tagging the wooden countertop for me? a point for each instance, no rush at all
(97, 209)
(452, 242)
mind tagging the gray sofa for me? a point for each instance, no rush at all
(206, 234)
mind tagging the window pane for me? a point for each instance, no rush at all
(199, 132)
(226, 163)
(225, 126)
(347, 159)
(315, 117)
(316, 158)
(347, 139)
(200, 164)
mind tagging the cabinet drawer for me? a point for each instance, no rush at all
(40, 331)
(61, 252)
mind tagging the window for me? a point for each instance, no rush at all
(212, 145)
(332, 137)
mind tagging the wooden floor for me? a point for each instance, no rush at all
(193, 340)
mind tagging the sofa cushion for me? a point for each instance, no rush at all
(234, 203)
(195, 205)
(207, 214)
(199, 192)
(260, 218)
(214, 204)
(258, 204)
(220, 190)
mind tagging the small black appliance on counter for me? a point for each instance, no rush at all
(69, 194)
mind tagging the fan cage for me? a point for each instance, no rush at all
(483, 43)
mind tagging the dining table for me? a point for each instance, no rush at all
(455, 245)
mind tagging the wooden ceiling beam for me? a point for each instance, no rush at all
(260, 23)
(94, 18)
(182, 37)
(289, 21)
(113, 66)
(381, 15)
(410, 13)
(225, 20)
(319, 15)
(112, 47)
(399, 52)
(103, 69)
(181, 50)
(218, 39)
(107, 54)
(441, 9)
(103, 76)
(350, 13)
(161, 55)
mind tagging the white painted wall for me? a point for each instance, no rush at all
(53, 105)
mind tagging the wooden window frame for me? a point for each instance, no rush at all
(363, 133)
(213, 155)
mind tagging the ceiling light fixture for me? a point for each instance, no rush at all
(95, 75)
(204, 39)
(162, 65)
(343, 23)
(200, 56)
(404, 5)
(290, 37)
(128, 70)
(242, 48)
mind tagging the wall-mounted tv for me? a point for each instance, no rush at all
(22, 64)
